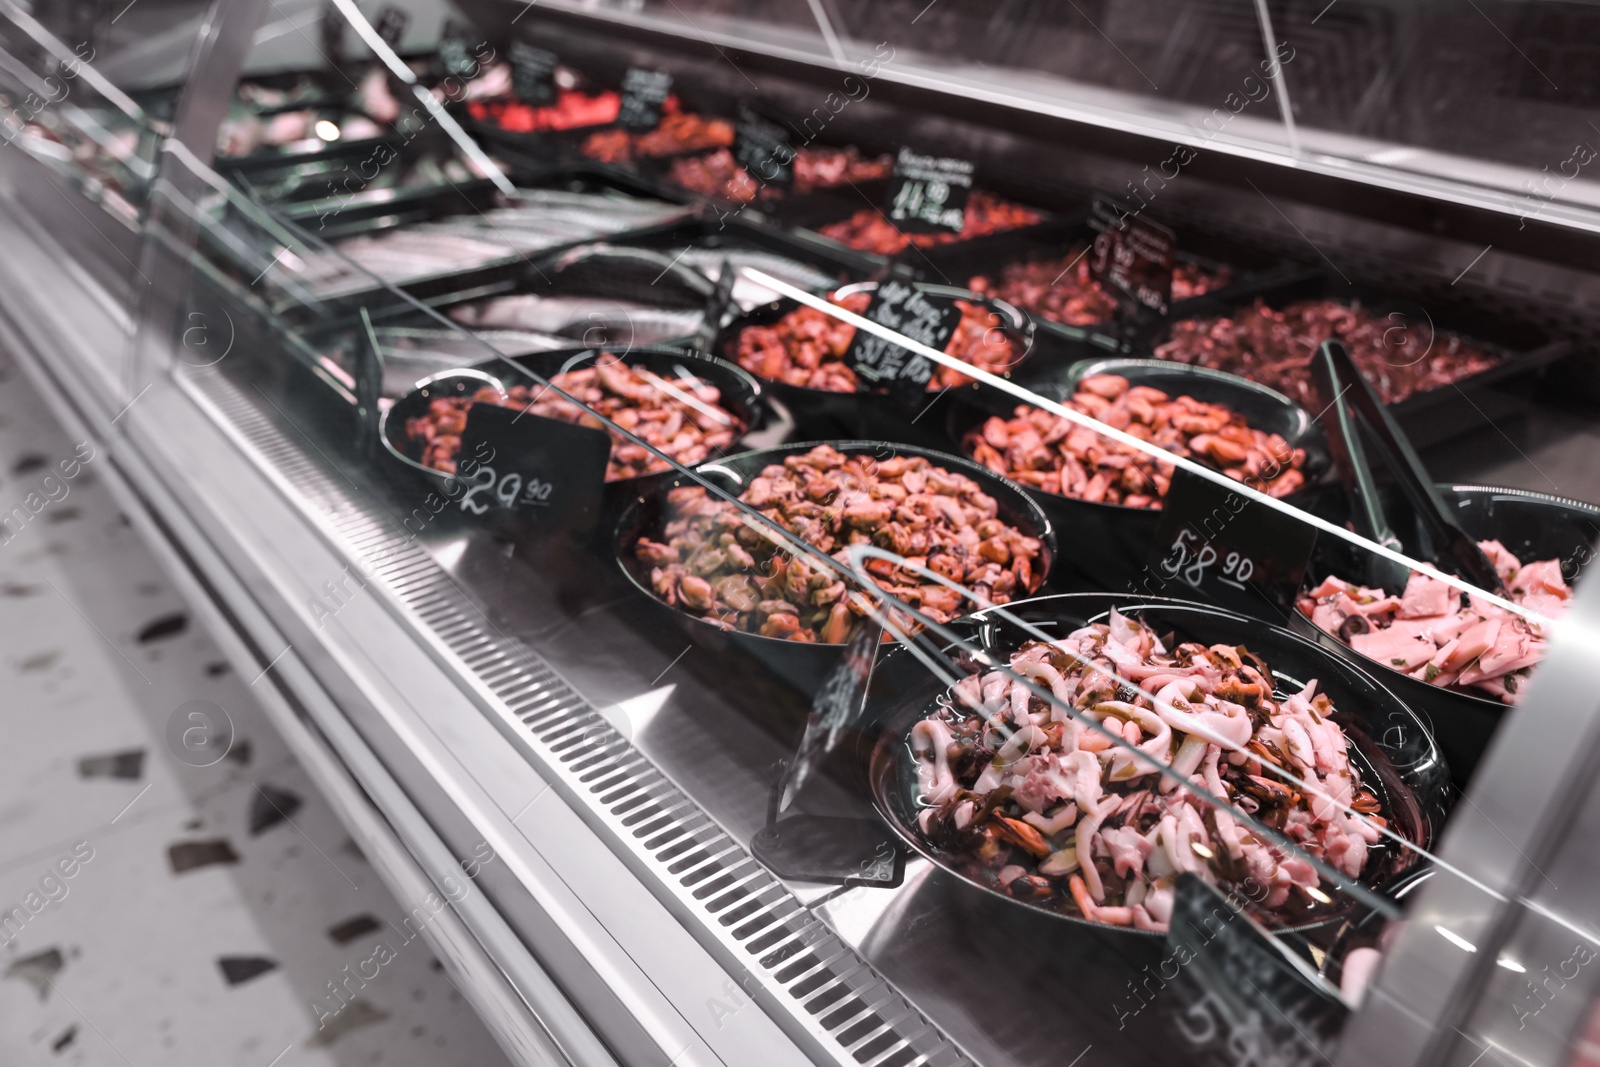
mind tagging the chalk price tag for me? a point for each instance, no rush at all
(644, 93)
(880, 364)
(391, 25)
(533, 74)
(928, 194)
(549, 472)
(762, 148)
(1233, 551)
(1133, 256)
(455, 50)
(1265, 999)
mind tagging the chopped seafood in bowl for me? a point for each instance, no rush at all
(1438, 635)
(1037, 805)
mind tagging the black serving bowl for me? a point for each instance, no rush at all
(804, 665)
(741, 393)
(819, 413)
(1532, 526)
(1110, 545)
(1390, 745)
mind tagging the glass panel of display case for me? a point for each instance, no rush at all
(1498, 94)
(1043, 598)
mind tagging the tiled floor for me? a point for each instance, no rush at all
(153, 912)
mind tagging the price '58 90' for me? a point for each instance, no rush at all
(1190, 559)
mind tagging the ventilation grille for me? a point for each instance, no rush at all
(731, 902)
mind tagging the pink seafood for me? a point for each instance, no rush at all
(1034, 802)
(1438, 635)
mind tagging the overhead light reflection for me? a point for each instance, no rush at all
(1511, 965)
(1456, 939)
(327, 130)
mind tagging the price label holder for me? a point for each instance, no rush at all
(928, 194)
(1132, 258)
(644, 93)
(455, 50)
(391, 25)
(762, 148)
(330, 36)
(533, 74)
(883, 366)
(1264, 993)
(546, 472)
(1230, 550)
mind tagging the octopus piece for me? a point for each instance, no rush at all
(1025, 797)
(1047, 452)
(683, 419)
(713, 562)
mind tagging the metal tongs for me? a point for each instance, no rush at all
(1354, 404)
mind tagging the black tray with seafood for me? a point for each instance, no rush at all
(799, 352)
(1044, 270)
(1049, 811)
(1109, 495)
(792, 613)
(1443, 365)
(1464, 665)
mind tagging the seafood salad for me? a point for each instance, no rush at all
(713, 563)
(1045, 451)
(719, 174)
(682, 418)
(806, 347)
(1040, 806)
(1437, 635)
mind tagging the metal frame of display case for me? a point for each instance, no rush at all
(620, 923)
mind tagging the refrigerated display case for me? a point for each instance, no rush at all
(935, 534)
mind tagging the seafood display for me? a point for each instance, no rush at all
(1045, 451)
(1035, 803)
(572, 110)
(1440, 636)
(719, 174)
(1063, 290)
(714, 564)
(869, 230)
(682, 418)
(806, 347)
(537, 219)
(678, 132)
(1400, 358)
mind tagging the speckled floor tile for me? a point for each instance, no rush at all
(153, 912)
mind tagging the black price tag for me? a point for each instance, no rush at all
(1267, 999)
(928, 194)
(550, 472)
(533, 74)
(455, 50)
(391, 26)
(643, 94)
(1231, 550)
(761, 147)
(883, 365)
(1133, 257)
(330, 33)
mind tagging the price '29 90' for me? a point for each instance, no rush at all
(510, 489)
